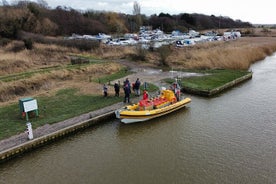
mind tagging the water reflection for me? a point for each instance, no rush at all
(149, 127)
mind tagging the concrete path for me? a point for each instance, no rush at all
(47, 129)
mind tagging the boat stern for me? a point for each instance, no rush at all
(117, 113)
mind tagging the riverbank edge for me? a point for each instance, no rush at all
(215, 91)
(90, 119)
(29, 145)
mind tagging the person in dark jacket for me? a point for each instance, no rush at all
(127, 93)
(105, 90)
(116, 89)
(137, 87)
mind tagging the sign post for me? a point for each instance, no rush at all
(30, 106)
(27, 105)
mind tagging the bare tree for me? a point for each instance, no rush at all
(5, 3)
(136, 8)
(137, 14)
(42, 3)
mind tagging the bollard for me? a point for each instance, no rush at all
(30, 131)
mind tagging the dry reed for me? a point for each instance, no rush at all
(56, 79)
(115, 52)
(237, 54)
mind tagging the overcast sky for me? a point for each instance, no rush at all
(255, 12)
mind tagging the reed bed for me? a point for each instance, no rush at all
(115, 52)
(40, 83)
(39, 57)
(236, 54)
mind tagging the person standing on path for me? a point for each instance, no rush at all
(127, 93)
(117, 89)
(126, 82)
(105, 90)
(137, 87)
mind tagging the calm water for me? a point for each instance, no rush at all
(230, 138)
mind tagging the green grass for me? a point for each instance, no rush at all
(106, 79)
(150, 87)
(64, 105)
(211, 79)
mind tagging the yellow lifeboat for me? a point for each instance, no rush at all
(151, 108)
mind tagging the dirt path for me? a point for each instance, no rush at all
(150, 74)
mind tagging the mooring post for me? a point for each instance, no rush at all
(29, 130)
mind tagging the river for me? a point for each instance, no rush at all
(230, 138)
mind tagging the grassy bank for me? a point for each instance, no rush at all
(47, 67)
(107, 79)
(64, 90)
(65, 104)
(210, 80)
(47, 80)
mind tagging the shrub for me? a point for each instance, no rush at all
(141, 53)
(17, 47)
(83, 45)
(164, 53)
(28, 44)
(4, 41)
(78, 60)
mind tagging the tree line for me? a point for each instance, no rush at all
(38, 18)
